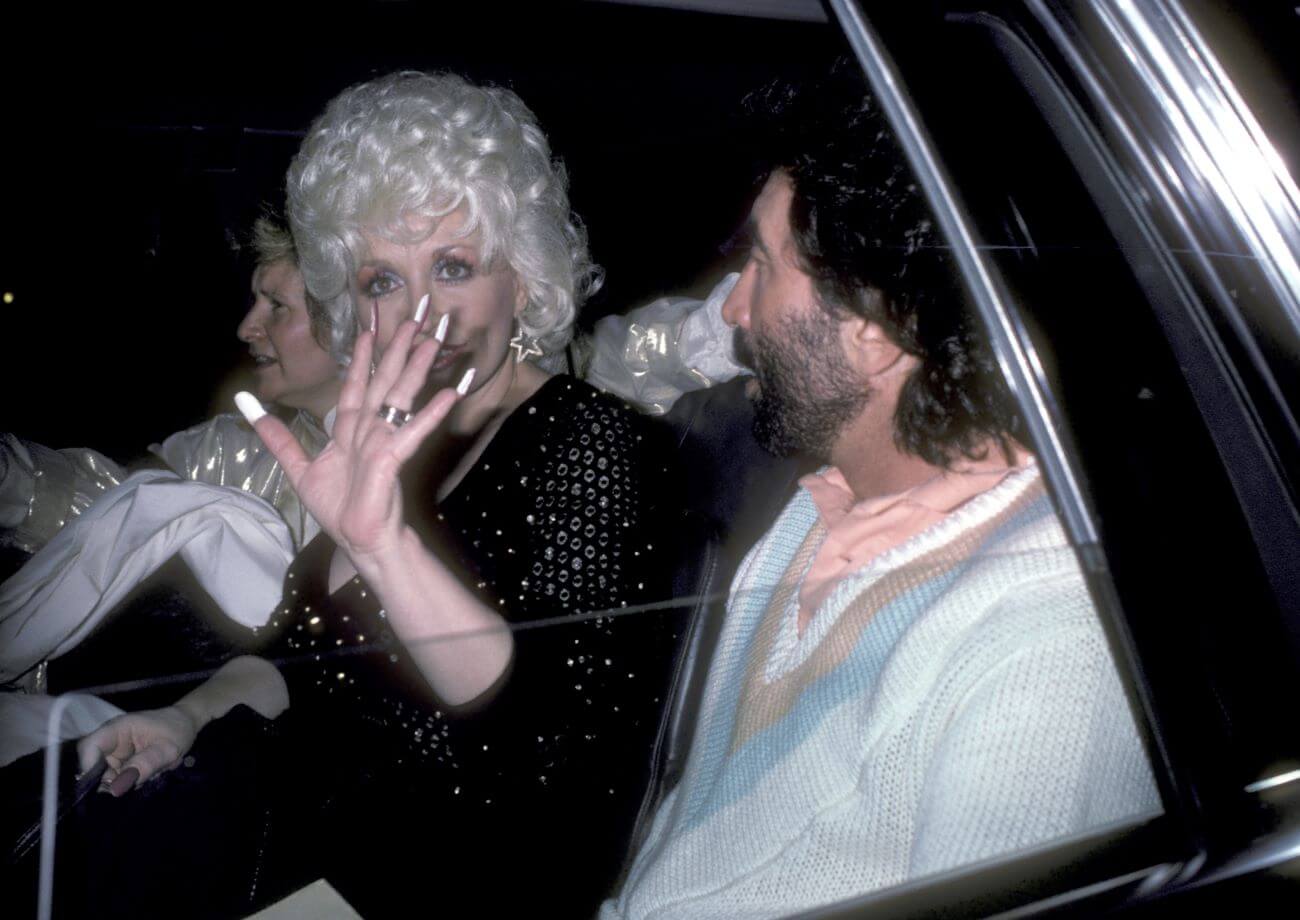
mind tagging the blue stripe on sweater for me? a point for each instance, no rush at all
(724, 780)
(744, 612)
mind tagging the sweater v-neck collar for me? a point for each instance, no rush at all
(789, 647)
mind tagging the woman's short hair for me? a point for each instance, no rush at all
(272, 242)
(417, 146)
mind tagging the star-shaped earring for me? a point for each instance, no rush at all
(525, 346)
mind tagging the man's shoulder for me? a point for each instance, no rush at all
(1014, 520)
(1012, 582)
(989, 557)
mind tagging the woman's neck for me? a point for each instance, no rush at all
(476, 419)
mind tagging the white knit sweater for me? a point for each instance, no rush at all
(952, 701)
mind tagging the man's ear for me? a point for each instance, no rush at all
(871, 352)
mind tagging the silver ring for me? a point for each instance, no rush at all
(394, 416)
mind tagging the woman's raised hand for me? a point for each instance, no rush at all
(351, 488)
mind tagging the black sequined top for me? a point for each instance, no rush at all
(562, 525)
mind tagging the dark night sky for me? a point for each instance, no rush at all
(137, 148)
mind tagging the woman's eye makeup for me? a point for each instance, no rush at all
(381, 283)
(453, 269)
(447, 269)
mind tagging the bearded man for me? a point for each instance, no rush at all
(911, 674)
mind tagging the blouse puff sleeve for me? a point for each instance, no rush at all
(41, 489)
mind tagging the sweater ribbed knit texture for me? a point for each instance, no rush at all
(952, 701)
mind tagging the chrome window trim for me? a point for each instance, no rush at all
(1194, 122)
(1217, 135)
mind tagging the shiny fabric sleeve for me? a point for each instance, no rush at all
(225, 451)
(41, 489)
(650, 356)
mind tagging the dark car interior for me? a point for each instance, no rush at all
(128, 281)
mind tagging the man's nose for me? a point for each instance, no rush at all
(735, 309)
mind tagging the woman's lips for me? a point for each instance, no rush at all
(446, 357)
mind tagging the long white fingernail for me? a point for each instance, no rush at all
(421, 308)
(463, 387)
(374, 317)
(441, 332)
(249, 405)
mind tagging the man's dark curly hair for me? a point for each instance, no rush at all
(867, 238)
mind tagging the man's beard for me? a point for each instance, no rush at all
(808, 390)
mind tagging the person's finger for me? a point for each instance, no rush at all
(277, 437)
(390, 368)
(408, 440)
(113, 743)
(88, 753)
(408, 386)
(150, 760)
(124, 782)
(357, 377)
(93, 747)
(110, 741)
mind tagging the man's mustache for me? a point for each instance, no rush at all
(744, 349)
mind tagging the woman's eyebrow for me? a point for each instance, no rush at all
(433, 254)
(460, 244)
